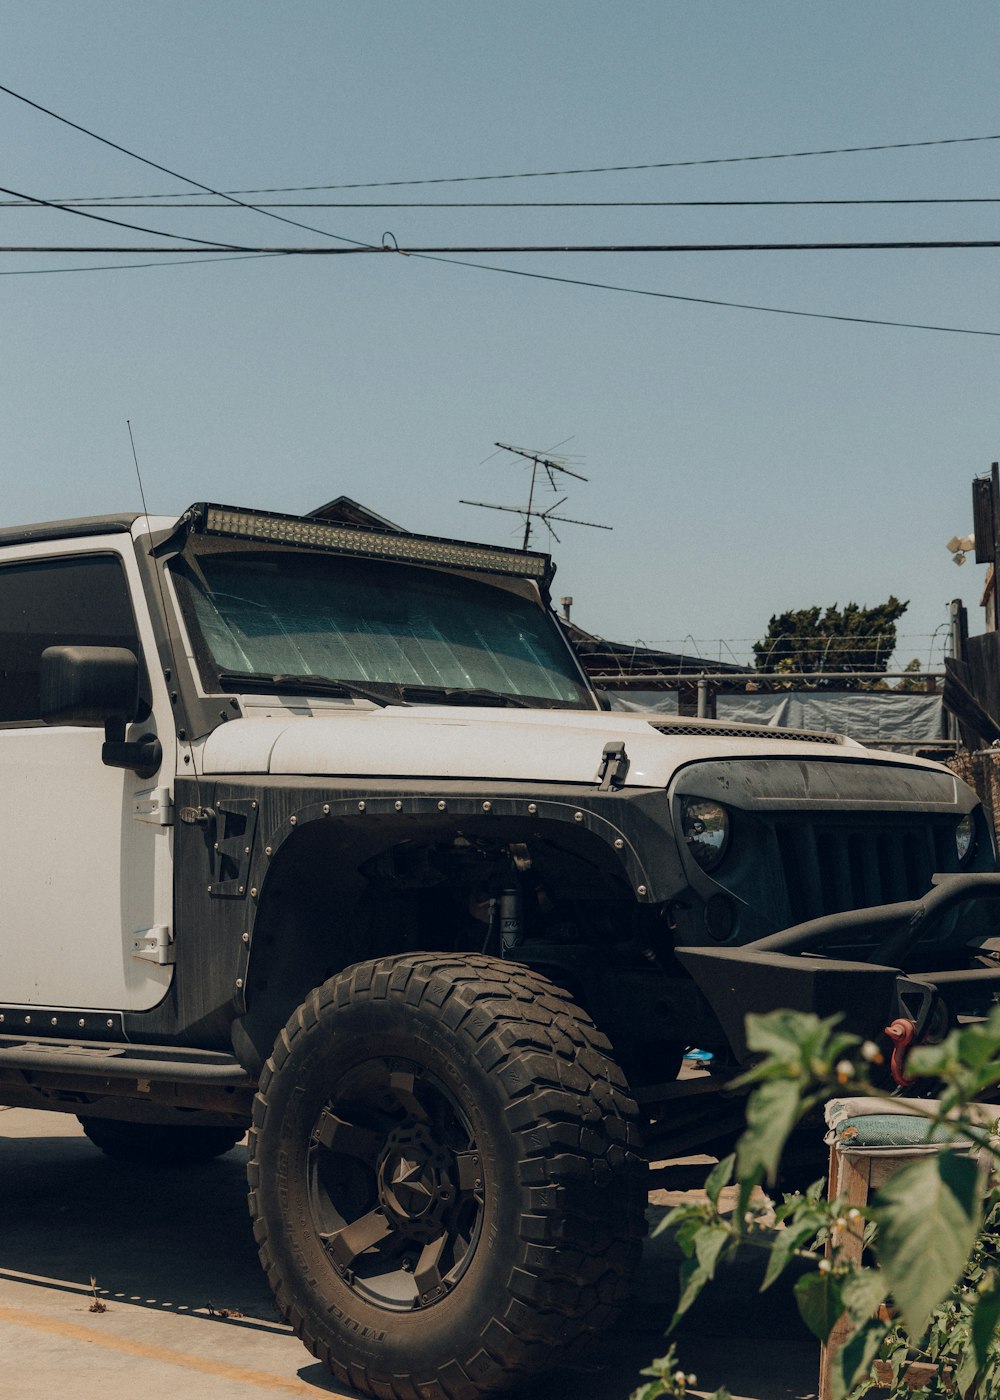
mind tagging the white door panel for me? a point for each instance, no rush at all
(80, 876)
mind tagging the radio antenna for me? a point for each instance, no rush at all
(138, 473)
(550, 466)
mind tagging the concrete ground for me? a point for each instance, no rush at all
(183, 1309)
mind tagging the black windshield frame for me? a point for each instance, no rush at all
(414, 632)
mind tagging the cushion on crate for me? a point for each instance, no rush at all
(888, 1125)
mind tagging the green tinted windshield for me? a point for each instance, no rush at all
(282, 611)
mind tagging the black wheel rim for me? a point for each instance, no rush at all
(396, 1186)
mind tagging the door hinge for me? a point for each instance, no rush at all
(155, 806)
(155, 945)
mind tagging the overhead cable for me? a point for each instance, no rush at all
(581, 170)
(114, 202)
(534, 276)
(132, 266)
(714, 301)
(134, 155)
(419, 250)
(119, 223)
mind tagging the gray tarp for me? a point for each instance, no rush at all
(663, 701)
(875, 716)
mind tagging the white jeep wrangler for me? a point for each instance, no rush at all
(321, 830)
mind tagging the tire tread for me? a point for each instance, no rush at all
(575, 1126)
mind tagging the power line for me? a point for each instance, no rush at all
(134, 155)
(713, 301)
(133, 266)
(421, 250)
(119, 223)
(534, 276)
(545, 174)
(115, 202)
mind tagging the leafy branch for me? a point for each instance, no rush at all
(931, 1294)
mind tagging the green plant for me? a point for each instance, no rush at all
(670, 1379)
(931, 1292)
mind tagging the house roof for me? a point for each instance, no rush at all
(344, 510)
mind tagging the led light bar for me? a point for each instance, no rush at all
(242, 524)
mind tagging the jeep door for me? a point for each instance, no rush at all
(85, 854)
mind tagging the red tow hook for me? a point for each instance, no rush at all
(901, 1032)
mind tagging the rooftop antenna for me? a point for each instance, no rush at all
(548, 465)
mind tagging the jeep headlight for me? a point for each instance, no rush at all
(706, 830)
(965, 835)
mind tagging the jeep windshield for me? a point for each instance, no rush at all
(285, 619)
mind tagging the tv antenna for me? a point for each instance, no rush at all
(548, 465)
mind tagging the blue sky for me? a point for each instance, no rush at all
(748, 462)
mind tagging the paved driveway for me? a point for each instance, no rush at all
(186, 1310)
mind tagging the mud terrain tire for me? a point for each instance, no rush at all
(445, 1177)
(159, 1144)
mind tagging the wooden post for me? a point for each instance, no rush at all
(856, 1176)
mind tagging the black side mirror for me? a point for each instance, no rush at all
(98, 685)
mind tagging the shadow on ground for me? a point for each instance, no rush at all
(180, 1241)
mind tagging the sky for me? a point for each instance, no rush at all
(748, 462)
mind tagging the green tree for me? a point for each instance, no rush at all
(913, 685)
(835, 640)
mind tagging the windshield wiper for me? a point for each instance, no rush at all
(455, 695)
(303, 685)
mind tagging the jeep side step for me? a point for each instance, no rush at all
(117, 1061)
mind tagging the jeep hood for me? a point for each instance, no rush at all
(542, 746)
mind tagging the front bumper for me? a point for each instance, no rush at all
(792, 970)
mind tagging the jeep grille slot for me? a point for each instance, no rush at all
(829, 869)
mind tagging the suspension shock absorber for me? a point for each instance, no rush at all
(511, 920)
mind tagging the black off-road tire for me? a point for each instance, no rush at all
(464, 1110)
(159, 1144)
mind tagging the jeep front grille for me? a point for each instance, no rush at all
(829, 868)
